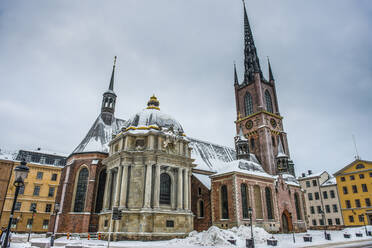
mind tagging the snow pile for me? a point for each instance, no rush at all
(215, 236)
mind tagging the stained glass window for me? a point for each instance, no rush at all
(81, 189)
(269, 204)
(244, 193)
(298, 209)
(269, 103)
(248, 105)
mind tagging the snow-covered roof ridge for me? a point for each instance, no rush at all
(7, 155)
(330, 181)
(242, 166)
(43, 151)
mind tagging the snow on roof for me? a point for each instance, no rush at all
(330, 181)
(99, 135)
(290, 179)
(7, 155)
(311, 175)
(43, 151)
(242, 166)
(204, 179)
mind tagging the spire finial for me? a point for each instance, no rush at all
(111, 87)
(236, 80)
(271, 76)
(153, 103)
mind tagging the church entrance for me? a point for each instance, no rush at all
(286, 222)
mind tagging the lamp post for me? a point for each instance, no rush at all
(56, 210)
(325, 228)
(293, 236)
(20, 174)
(364, 221)
(250, 217)
(33, 210)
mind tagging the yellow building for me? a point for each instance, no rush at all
(354, 185)
(39, 192)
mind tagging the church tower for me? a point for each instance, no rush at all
(109, 100)
(258, 116)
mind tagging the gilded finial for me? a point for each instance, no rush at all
(153, 103)
(239, 115)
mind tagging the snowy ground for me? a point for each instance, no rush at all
(214, 237)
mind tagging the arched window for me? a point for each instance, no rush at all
(273, 140)
(101, 190)
(81, 189)
(224, 202)
(269, 203)
(201, 209)
(269, 103)
(360, 166)
(165, 189)
(248, 105)
(297, 203)
(257, 202)
(244, 193)
(252, 143)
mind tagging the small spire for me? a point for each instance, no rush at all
(111, 87)
(241, 135)
(271, 76)
(236, 80)
(281, 152)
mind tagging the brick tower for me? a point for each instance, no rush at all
(258, 110)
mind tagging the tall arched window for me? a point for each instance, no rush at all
(252, 143)
(297, 203)
(201, 209)
(258, 202)
(269, 103)
(244, 193)
(224, 202)
(165, 189)
(81, 189)
(269, 203)
(100, 190)
(248, 105)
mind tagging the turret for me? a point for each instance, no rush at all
(109, 100)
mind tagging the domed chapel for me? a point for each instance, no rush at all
(167, 184)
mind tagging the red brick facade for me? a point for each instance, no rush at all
(199, 192)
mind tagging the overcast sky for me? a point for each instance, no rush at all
(56, 60)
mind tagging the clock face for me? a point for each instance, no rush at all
(273, 122)
(249, 124)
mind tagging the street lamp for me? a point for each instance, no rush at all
(250, 217)
(56, 210)
(364, 221)
(293, 236)
(325, 227)
(20, 174)
(33, 210)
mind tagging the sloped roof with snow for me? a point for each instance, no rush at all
(7, 155)
(242, 166)
(330, 181)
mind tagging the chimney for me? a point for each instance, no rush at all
(309, 172)
(303, 174)
(38, 148)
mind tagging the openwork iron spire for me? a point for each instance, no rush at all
(111, 87)
(251, 61)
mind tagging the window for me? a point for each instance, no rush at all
(51, 192)
(368, 202)
(22, 190)
(81, 189)
(312, 210)
(314, 222)
(321, 222)
(170, 223)
(325, 194)
(314, 183)
(352, 177)
(348, 204)
(101, 190)
(335, 209)
(252, 143)
(364, 187)
(310, 196)
(45, 224)
(244, 192)
(338, 222)
(199, 191)
(32, 206)
(224, 202)
(357, 203)
(307, 184)
(361, 218)
(29, 223)
(329, 222)
(344, 189)
(316, 194)
(54, 177)
(39, 175)
(248, 104)
(359, 166)
(351, 218)
(17, 206)
(332, 193)
(48, 208)
(36, 190)
(361, 176)
(342, 179)
(14, 223)
(328, 209)
(269, 104)
(165, 189)
(319, 208)
(355, 189)
(370, 174)
(201, 209)
(106, 223)
(297, 205)
(269, 204)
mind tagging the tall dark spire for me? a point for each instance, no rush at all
(236, 80)
(271, 76)
(251, 61)
(111, 87)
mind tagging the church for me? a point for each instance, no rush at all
(167, 184)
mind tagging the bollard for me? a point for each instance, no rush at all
(99, 236)
(68, 235)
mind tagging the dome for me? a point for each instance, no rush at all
(152, 118)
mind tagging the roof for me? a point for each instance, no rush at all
(290, 179)
(311, 175)
(7, 155)
(204, 179)
(351, 164)
(330, 181)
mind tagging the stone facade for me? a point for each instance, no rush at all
(6, 168)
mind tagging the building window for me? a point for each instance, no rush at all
(258, 202)
(248, 104)
(51, 192)
(307, 184)
(359, 166)
(355, 189)
(22, 190)
(81, 188)
(364, 187)
(45, 224)
(269, 103)
(33, 206)
(328, 209)
(269, 204)
(106, 223)
(252, 143)
(357, 203)
(18, 206)
(361, 176)
(338, 222)
(312, 210)
(314, 183)
(319, 208)
(316, 194)
(48, 208)
(314, 222)
(368, 202)
(310, 196)
(224, 202)
(199, 191)
(332, 193)
(39, 175)
(37, 190)
(244, 193)
(335, 209)
(321, 222)
(201, 209)
(14, 223)
(361, 218)
(370, 174)
(101, 190)
(348, 204)
(54, 177)
(325, 194)
(344, 189)
(169, 223)
(165, 189)
(343, 179)
(29, 223)
(351, 218)
(329, 222)
(297, 205)
(352, 178)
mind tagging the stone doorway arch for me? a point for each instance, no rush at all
(286, 220)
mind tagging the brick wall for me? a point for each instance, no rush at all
(205, 222)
